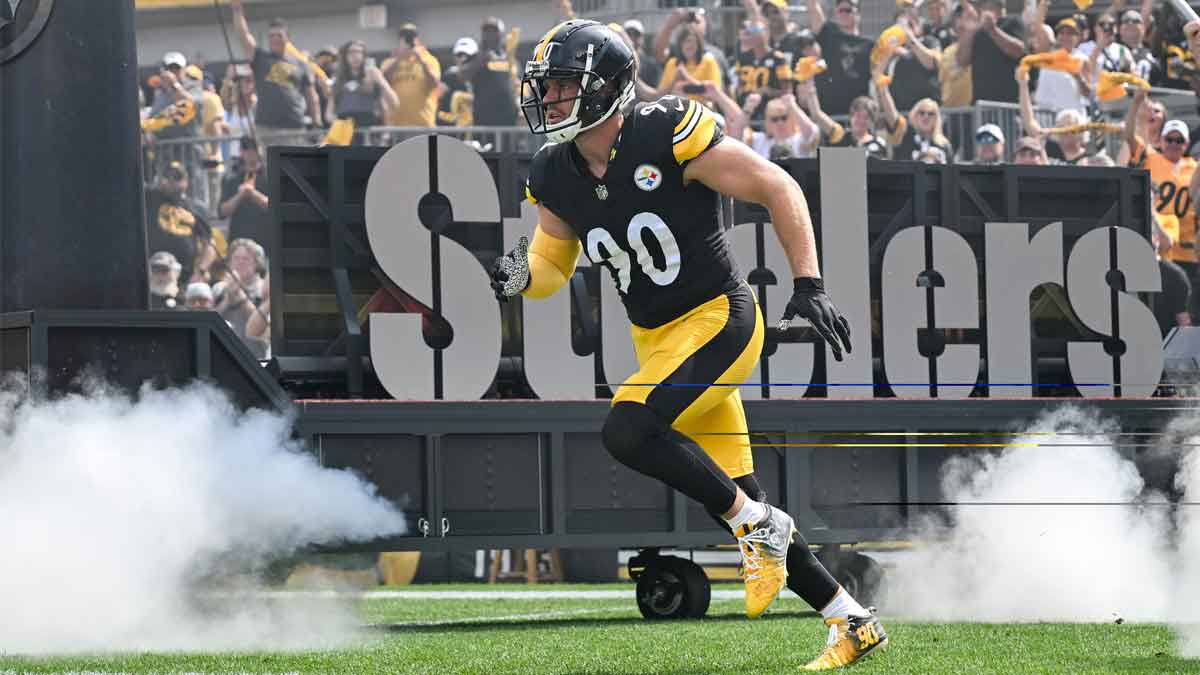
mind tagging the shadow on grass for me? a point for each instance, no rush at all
(475, 626)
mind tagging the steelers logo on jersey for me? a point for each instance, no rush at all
(647, 177)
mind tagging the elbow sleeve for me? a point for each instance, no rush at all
(551, 263)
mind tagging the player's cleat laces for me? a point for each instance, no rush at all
(764, 547)
(851, 639)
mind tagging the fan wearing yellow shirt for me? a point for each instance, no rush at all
(686, 74)
(414, 74)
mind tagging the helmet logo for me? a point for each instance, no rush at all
(647, 177)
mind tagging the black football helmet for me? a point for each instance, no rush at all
(589, 52)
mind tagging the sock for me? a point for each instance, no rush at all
(751, 512)
(842, 605)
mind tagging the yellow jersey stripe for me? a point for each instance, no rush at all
(529, 195)
(539, 52)
(687, 116)
(688, 147)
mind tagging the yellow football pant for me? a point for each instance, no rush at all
(690, 369)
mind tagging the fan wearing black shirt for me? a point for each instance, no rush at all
(937, 24)
(916, 65)
(244, 200)
(847, 54)
(992, 44)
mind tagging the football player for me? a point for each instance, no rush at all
(639, 193)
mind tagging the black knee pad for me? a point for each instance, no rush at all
(628, 428)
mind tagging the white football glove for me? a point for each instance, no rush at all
(510, 273)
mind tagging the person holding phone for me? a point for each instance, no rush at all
(360, 91)
(685, 75)
(414, 75)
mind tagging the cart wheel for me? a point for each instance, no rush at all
(672, 588)
(859, 574)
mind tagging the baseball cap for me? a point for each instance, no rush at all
(1066, 23)
(193, 72)
(466, 45)
(1178, 126)
(164, 259)
(852, 3)
(634, 26)
(989, 134)
(198, 289)
(493, 22)
(174, 59)
(782, 5)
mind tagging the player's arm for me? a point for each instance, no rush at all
(735, 170)
(538, 269)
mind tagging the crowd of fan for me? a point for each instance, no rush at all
(778, 89)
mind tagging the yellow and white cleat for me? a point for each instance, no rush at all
(764, 547)
(852, 639)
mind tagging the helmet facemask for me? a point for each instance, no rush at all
(596, 100)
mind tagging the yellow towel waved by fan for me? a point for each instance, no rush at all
(887, 43)
(808, 67)
(341, 132)
(1112, 85)
(1058, 59)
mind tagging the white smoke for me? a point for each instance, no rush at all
(112, 509)
(1050, 560)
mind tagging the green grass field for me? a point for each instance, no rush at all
(607, 635)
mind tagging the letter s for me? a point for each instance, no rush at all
(433, 181)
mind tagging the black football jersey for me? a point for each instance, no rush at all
(661, 241)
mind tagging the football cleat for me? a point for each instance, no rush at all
(851, 639)
(764, 547)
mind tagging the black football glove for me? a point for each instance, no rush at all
(510, 273)
(810, 302)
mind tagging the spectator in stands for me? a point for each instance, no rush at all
(847, 54)
(178, 226)
(287, 95)
(1064, 147)
(989, 145)
(1029, 151)
(258, 328)
(760, 70)
(456, 101)
(1057, 89)
(1108, 55)
(1171, 173)
(492, 75)
(244, 198)
(915, 65)
(955, 78)
(244, 288)
(212, 123)
(240, 99)
(940, 26)
(864, 115)
(360, 90)
(787, 126)
(992, 44)
(175, 114)
(1132, 31)
(1170, 47)
(781, 35)
(649, 67)
(327, 60)
(164, 281)
(921, 130)
(414, 75)
(199, 297)
(694, 18)
(686, 74)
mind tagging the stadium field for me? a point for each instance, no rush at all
(597, 629)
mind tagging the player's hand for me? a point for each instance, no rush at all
(510, 273)
(810, 302)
